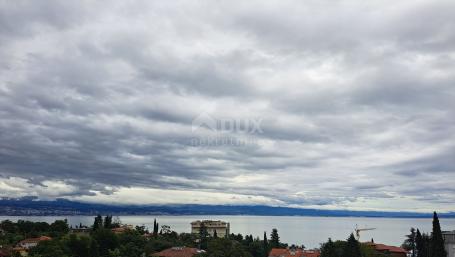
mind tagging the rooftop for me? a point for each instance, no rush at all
(35, 240)
(197, 222)
(389, 248)
(178, 252)
(298, 252)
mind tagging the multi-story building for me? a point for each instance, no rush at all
(449, 242)
(222, 228)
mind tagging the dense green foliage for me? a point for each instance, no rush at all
(101, 241)
(155, 227)
(424, 245)
(274, 239)
(346, 248)
(352, 247)
(410, 243)
(437, 242)
(265, 245)
(16, 231)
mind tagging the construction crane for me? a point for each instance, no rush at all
(358, 230)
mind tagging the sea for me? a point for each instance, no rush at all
(298, 230)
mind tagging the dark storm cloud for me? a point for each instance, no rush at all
(354, 101)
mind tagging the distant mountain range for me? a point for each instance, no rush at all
(34, 207)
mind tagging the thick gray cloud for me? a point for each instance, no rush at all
(352, 102)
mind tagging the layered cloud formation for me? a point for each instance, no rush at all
(354, 102)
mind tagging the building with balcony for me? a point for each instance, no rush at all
(222, 228)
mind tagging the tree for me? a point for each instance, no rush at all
(155, 228)
(8, 226)
(248, 239)
(328, 249)
(215, 234)
(410, 242)
(106, 241)
(94, 248)
(131, 244)
(265, 245)
(59, 228)
(157, 244)
(437, 242)
(25, 227)
(108, 221)
(116, 222)
(203, 236)
(274, 239)
(79, 246)
(352, 248)
(98, 223)
(422, 244)
(142, 230)
(256, 248)
(224, 247)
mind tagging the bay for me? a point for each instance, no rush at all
(309, 231)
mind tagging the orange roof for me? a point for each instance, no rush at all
(35, 240)
(120, 230)
(383, 247)
(311, 253)
(278, 252)
(178, 252)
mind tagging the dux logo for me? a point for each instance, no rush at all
(204, 120)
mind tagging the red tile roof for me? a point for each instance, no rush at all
(389, 248)
(277, 252)
(178, 252)
(35, 240)
(311, 253)
(119, 230)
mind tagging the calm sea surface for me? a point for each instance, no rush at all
(310, 231)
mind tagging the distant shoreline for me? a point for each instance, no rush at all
(33, 207)
(212, 215)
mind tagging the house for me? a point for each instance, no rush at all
(449, 242)
(393, 251)
(31, 242)
(178, 252)
(82, 231)
(222, 228)
(122, 229)
(293, 252)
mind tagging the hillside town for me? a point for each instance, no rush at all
(108, 237)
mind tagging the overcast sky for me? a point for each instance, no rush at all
(350, 104)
